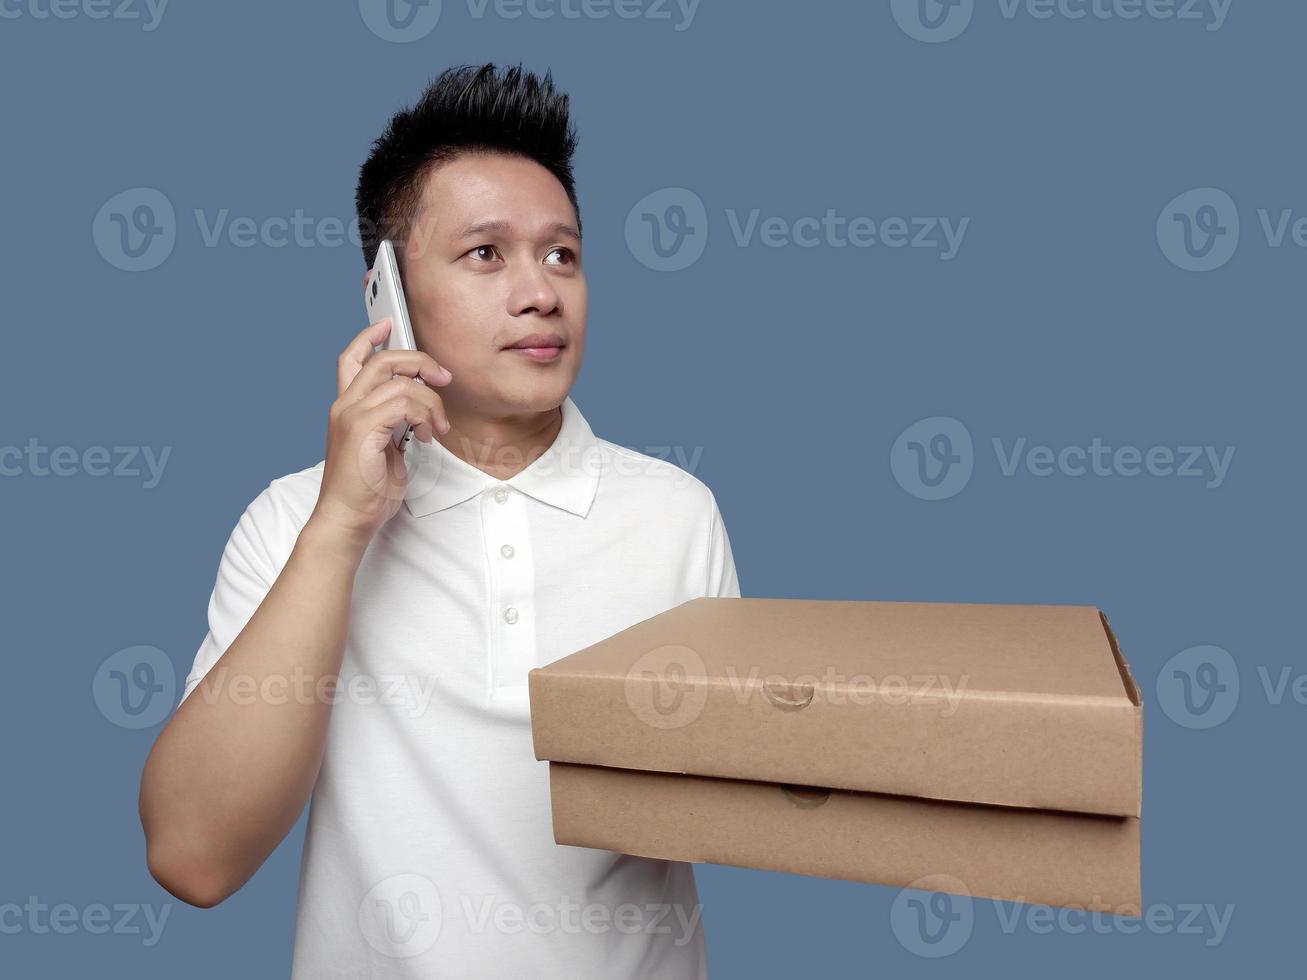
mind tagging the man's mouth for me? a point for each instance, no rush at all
(539, 346)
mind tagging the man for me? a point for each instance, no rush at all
(427, 584)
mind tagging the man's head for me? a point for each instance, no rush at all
(474, 186)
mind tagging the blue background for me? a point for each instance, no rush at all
(1060, 319)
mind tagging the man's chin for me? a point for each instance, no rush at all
(530, 396)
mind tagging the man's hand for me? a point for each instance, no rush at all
(365, 477)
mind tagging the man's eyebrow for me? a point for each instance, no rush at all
(494, 225)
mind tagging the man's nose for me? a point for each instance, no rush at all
(533, 292)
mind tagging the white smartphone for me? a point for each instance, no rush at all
(383, 295)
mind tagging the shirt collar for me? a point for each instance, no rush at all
(566, 475)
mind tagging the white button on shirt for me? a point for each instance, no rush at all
(429, 850)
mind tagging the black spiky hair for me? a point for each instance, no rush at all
(466, 109)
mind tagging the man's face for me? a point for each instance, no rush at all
(492, 258)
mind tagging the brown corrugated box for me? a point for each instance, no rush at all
(1001, 745)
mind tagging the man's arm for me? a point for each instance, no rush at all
(723, 580)
(230, 772)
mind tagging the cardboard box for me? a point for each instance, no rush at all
(999, 745)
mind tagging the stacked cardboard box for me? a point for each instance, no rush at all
(999, 747)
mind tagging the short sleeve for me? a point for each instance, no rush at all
(722, 577)
(246, 572)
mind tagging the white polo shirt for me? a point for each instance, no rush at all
(429, 850)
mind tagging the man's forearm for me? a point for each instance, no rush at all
(232, 770)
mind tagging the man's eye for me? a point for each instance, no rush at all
(482, 248)
(565, 252)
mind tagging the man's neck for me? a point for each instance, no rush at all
(504, 446)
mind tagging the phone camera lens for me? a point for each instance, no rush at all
(374, 289)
